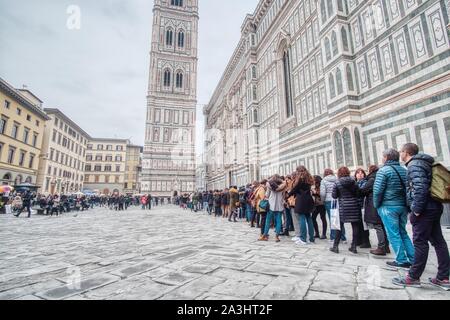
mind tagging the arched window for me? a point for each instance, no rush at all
(332, 86)
(323, 11)
(327, 49)
(344, 39)
(339, 85)
(287, 83)
(169, 37)
(340, 5)
(351, 86)
(330, 8)
(181, 39)
(7, 177)
(358, 144)
(177, 3)
(167, 78)
(334, 43)
(179, 80)
(18, 180)
(338, 150)
(348, 149)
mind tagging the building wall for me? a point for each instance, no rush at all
(105, 165)
(63, 156)
(169, 152)
(16, 111)
(133, 169)
(362, 76)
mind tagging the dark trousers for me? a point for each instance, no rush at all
(383, 242)
(262, 223)
(364, 236)
(218, 211)
(427, 228)
(320, 210)
(356, 231)
(28, 207)
(256, 218)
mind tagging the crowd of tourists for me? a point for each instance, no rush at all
(380, 199)
(17, 202)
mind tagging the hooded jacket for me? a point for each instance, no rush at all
(275, 194)
(347, 192)
(419, 179)
(326, 188)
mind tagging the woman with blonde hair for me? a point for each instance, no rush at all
(304, 204)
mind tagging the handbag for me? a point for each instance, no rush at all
(264, 205)
(291, 201)
(335, 219)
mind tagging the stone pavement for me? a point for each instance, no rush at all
(169, 253)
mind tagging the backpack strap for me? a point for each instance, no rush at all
(399, 176)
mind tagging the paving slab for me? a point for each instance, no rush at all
(121, 255)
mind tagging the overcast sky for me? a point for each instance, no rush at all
(98, 75)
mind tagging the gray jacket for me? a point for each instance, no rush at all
(276, 199)
(326, 188)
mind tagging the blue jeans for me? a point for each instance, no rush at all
(289, 225)
(306, 222)
(333, 232)
(395, 219)
(276, 215)
(249, 212)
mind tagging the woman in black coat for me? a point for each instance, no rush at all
(371, 216)
(347, 192)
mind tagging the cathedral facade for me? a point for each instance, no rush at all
(169, 153)
(328, 83)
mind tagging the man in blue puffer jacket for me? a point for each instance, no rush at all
(389, 197)
(425, 218)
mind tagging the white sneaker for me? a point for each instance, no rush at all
(295, 239)
(301, 242)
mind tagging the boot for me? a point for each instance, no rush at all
(277, 239)
(334, 249)
(263, 238)
(323, 237)
(352, 249)
(378, 252)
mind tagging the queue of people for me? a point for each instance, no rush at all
(380, 199)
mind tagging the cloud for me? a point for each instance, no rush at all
(99, 75)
